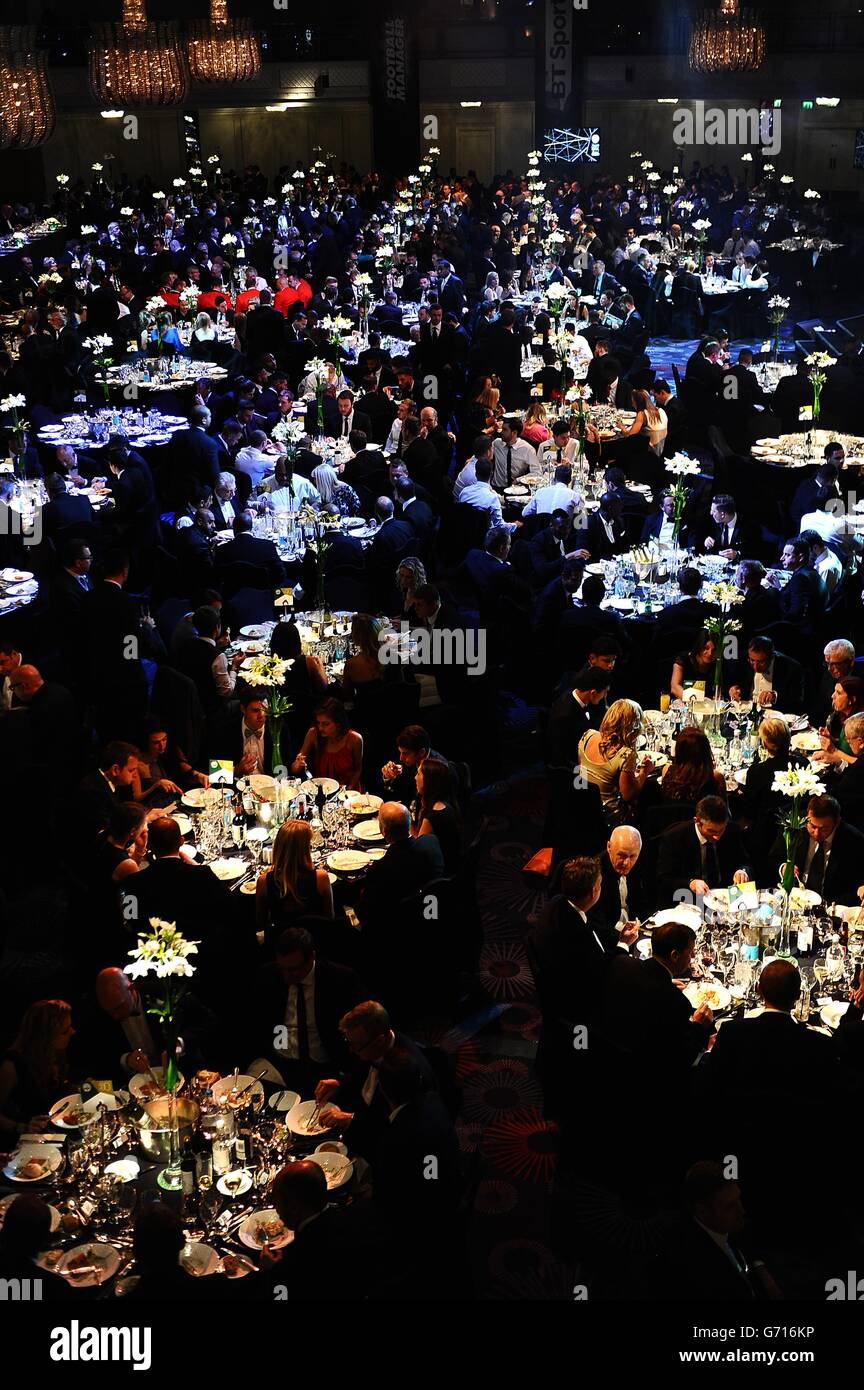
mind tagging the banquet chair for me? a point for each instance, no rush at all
(659, 818)
(249, 606)
(240, 575)
(347, 592)
(175, 697)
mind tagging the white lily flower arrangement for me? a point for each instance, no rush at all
(97, 168)
(63, 179)
(682, 466)
(266, 671)
(179, 183)
(722, 594)
(797, 782)
(811, 193)
(126, 212)
(747, 158)
(786, 178)
(653, 177)
(164, 953)
(13, 403)
(229, 239)
(213, 158)
(88, 230)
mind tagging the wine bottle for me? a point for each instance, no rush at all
(187, 1172)
(238, 824)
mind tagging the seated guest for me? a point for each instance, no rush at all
(305, 683)
(729, 535)
(294, 1008)
(605, 534)
(570, 717)
(556, 496)
(409, 864)
(511, 454)
(204, 661)
(588, 616)
(690, 610)
(769, 678)
(650, 423)
(400, 779)
(561, 449)
(804, 598)
(607, 759)
(481, 495)
(702, 854)
(702, 1257)
(25, 1234)
(829, 860)
(847, 699)
(247, 549)
(847, 783)
(761, 605)
(556, 598)
(34, 1071)
(97, 793)
(157, 1240)
(62, 511)
(489, 571)
(651, 1019)
(224, 495)
(691, 774)
(157, 759)
(331, 748)
(839, 661)
(660, 526)
(695, 668)
(291, 887)
(826, 563)
(409, 577)
(621, 903)
(364, 667)
(323, 1233)
(288, 491)
(70, 584)
(436, 813)
(244, 738)
(255, 459)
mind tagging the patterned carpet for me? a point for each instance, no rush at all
(494, 1051)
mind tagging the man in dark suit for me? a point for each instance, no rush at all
(761, 605)
(115, 639)
(658, 525)
(791, 393)
(675, 416)
(831, 857)
(649, 1017)
(52, 724)
(196, 454)
(773, 678)
(323, 1233)
(247, 549)
(340, 417)
(813, 493)
(701, 1258)
(690, 612)
(62, 511)
(740, 420)
(387, 317)
(729, 534)
(344, 552)
(392, 542)
(408, 865)
(265, 330)
(294, 1008)
(703, 384)
(702, 854)
(489, 573)
(70, 586)
(632, 327)
(585, 619)
(597, 281)
(368, 466)
(551, 547)
(379, 408)
(451, 290)
(570, 718)
(418, 515)
(804, 598)
(605, 534)
(100, 791)
(245, 738)
(420, 457)
(622, 898)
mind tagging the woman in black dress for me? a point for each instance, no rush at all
(33, 1072)
(437, 813)
(305, 683)
(696, 665)
(292, 887)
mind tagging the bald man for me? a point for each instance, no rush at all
(408, 865)
(621, 901)
(53, 725)
(120, 1000)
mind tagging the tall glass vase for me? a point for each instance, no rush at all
(171, 1177)
(274, 723)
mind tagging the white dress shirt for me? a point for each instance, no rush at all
(552, 498)
(523, 459)
(255, 464)
(484, 498)
(465, 478)
(253, 742)
(224, 675)
(301, 491)
(291, 1050)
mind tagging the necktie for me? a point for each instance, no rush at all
(509, 465)
(344, 426)
(710, 864)
(816, 873)
(84, 582)
(725, 540)
(302, 1025)
(560, 451)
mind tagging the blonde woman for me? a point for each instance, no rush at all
(409, 576)
(364, 667)
(607, 757)
(536, 427)
(292, 887)
(651, 420)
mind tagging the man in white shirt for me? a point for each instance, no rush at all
(403, 410)
(823, 560)
(467, 475)
(226, 491)
(559, 449)
(253, 726)
(255, 460)
(556, 496)
(209, 627)
(512, 456)
(480, 495)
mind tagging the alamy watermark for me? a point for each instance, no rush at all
(459, 647)
(753, 125)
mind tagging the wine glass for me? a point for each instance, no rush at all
(232, 1182)
(820, 970)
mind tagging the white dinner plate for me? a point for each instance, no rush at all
(101, 1101)
(363, 804)
(201, 796)
(243, 1186)
(717, 997)
(310, 787)
(256, 630)
(299, 1116)
(368, 832)
(807, 742)
(104, 1257)
(49, 1156)
(832, 1013)
(283, 1101)
(199, 1259)
(620, 605)
(142, 1088)
(231, 1085)
(686, 913)
(126, 1169)
(348, 861)
(337, 1168)
(261, 784)
(226, 870)
(252, 1235)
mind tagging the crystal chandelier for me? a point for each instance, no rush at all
(727, 40)
(223, 50)
(137, 62)
(26, 100)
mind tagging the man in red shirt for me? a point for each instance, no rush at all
(244, 299)
(293, 290)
